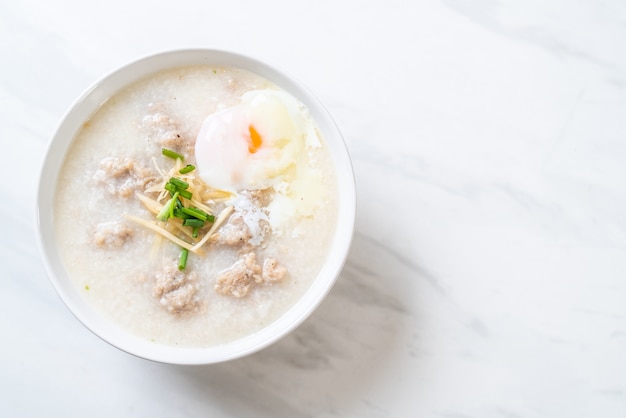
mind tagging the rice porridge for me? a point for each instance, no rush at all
(196, 206)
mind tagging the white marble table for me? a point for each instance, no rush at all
(488, 272)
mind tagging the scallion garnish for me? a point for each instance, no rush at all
(187, 169)
(171, 154)
(180, 184)
(178, 213)
(170, 187)
(167, 211)
(174, 208)
(182, 259)
(196, 213)
(193, 222)
(185, 193)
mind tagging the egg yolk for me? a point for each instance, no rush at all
(255, 140)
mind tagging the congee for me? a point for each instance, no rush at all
(196, 205)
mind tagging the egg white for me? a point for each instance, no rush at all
(254, 144)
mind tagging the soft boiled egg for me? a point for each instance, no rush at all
(252, 145)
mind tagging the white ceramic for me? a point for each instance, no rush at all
(85, 106)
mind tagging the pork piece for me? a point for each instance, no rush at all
(237, 279)
(176, 289)
(112, 234)
(272, 271)
(123, 176)
(163, 130)
(235, 231)
(261, 197)
(248, 224)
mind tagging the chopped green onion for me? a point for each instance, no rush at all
(170, 187)
(185, 193)
(182, 260)
(167, 211)
(187, 169)
(171, 154)
(178, 213)
(173, 205)
(197, 213)
(180, 184)
(193, 222)
(194, 234)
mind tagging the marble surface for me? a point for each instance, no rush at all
(488, 272)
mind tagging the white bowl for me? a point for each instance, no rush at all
(85, 106)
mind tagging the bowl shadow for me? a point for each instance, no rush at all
(330, 360)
